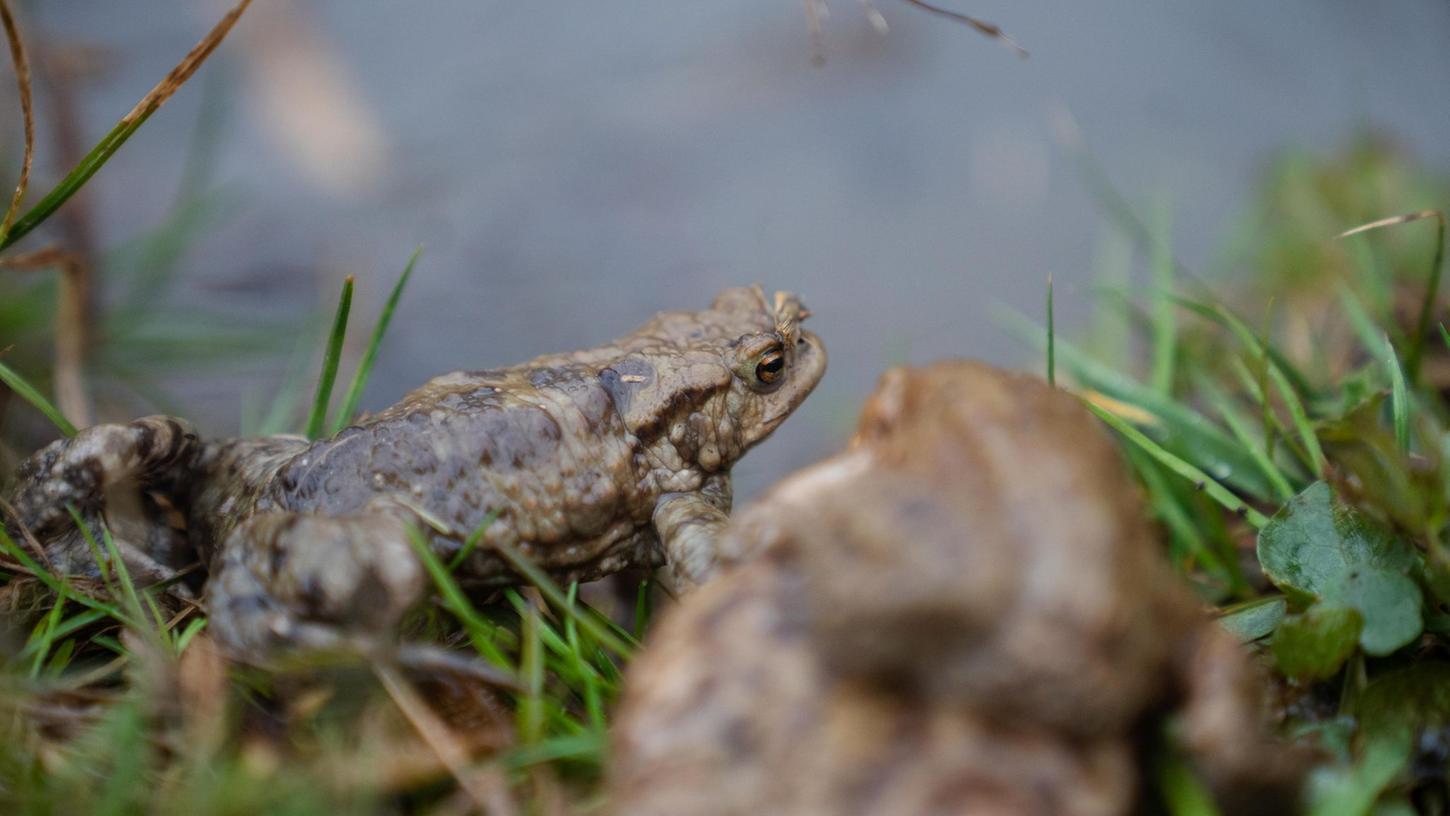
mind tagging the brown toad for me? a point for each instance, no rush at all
(585, 462)
(965, 612)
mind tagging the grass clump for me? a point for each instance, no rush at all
(1291, 431)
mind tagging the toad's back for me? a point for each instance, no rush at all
(542, 449)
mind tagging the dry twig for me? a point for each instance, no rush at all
(22, 79)
(487, 787)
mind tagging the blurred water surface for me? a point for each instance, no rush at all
(573, 167)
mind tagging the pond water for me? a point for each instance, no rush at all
(573, 167)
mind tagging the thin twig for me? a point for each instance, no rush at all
(9, 510)
(989, 29)
(188, 65)
(70, 326)
(1432, 285)
(487, 789)
(123, 129)
(22, 80)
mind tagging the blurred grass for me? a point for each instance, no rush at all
(1345, 381)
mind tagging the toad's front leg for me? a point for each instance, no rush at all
(294, 581)
(690, 527)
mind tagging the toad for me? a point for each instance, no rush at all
(964, 612)
(585, 463)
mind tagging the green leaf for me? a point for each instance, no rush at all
(1352, 791)
(1415, 697)
(1313, 646)
(1366, 452)
(1254, 619)
(1391, 603)
(1318, 547)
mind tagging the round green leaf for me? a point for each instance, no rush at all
(1313, 646)
(1390, 603)
(1318, 547)
(1314, 540)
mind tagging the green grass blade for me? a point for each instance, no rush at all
(193, 628)
(1363, 325)
(531, 703)
(1165, 314)
(318, 418)
(1051, 338)
(1184, 794)
(66, 627)
(27, 392)
(132, 601)
(589, 678)
(480, 631)
(73, 180)
(1179, 428)
(550, 590)
(129, 124)
(1238, 425)
(55, 584)
(583, 746)
(474, 538)
(1299, 416)
(365, 366)
(1219, 314)
(643, 607)
(45, 635)
(1399, 396)
(1427, 305)
(1171, 511)
(1286, 379)
(1202, 480)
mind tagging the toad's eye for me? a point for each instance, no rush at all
(770, 366)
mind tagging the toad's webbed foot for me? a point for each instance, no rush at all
(294, 581)
(108, 474)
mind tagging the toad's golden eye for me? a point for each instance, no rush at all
(770, 366)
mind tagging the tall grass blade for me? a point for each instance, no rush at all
(551, 591)
(1240, 430)
(480, 631)
(318, 418)
(123, 129)
(365, 366)
(1165, 316)
(1051, 338)
(1399, 396)
(1432, 284)
(27, 392)
(531, 703)
(1201, 480)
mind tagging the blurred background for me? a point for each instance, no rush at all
(571, 168)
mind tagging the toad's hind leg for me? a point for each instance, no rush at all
(294, 581)
(107, 472)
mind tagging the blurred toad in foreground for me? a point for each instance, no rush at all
(965, 612)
